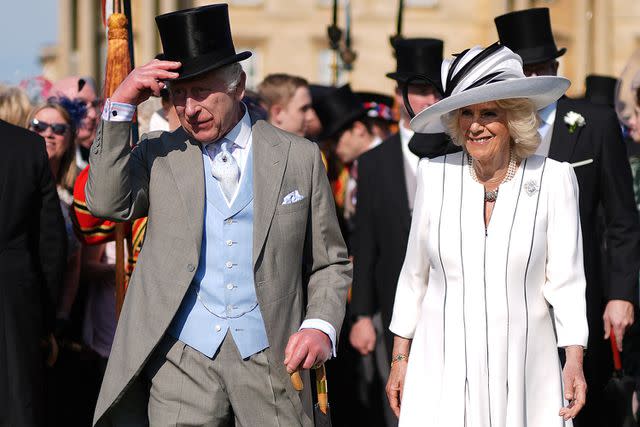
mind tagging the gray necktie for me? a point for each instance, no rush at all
(225, 169)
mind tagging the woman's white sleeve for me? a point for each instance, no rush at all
(565, 283)
(412, 283)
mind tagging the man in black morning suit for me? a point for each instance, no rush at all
(386, 190)
(32, 259)
(592, 143)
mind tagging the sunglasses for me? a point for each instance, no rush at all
(57, 128)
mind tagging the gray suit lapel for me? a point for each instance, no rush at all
(185, 159)
(270, 153)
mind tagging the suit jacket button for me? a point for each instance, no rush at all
(191, 267)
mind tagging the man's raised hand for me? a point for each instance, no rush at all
(144, 81)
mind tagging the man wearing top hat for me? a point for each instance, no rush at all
(349, 130)
(344, 122)
(588, 136)
(243, 275)
(386, 188)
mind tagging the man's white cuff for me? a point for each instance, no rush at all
(117, 111)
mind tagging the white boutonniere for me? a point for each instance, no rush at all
(574, 121)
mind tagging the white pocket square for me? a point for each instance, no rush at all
(582, 163)
(292, 197)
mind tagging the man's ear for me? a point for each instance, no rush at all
(241, 86)
(275, 112)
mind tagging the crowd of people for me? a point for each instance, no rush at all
(462, 252)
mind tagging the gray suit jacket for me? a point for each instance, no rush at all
(301, 268)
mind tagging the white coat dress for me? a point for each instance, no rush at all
(487, 310)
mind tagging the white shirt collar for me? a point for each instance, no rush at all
(548, 113)
(375, 142)
(405, 134)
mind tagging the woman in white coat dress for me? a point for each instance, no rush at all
(493, 278)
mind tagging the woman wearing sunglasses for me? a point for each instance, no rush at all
(54, 123)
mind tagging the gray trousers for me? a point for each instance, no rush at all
(191, 389)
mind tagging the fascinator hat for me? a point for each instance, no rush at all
(481, 75)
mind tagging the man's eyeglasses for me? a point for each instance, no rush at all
(40, 126)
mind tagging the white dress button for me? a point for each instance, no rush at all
(229, 242)
(229, 264)
(218, 328)
(230, 286)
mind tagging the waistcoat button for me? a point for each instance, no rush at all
(191, 267)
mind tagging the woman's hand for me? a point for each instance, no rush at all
(575, 386)
(395, 384)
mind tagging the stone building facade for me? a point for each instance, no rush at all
(291, 35)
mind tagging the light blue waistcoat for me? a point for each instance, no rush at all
(224, 277)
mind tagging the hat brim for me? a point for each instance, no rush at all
(536, 59)
(542, 91)
(201, 66)
(403, 76)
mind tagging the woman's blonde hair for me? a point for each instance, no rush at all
(522, 122)
(14, 105)
(66, 176)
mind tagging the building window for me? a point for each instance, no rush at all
(326, 71)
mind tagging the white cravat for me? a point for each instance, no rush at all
(225, 169)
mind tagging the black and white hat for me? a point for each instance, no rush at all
(481, 75)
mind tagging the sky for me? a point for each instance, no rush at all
(27, 26)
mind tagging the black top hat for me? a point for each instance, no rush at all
(528, 33)
(199, 38)
(601, 90)
(417, 56)
(338, 110)
(319, 91)
(378, 106)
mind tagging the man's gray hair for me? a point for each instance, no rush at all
(230, 74)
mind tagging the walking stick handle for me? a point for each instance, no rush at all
(296, 380)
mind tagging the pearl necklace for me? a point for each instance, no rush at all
(492, 196)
